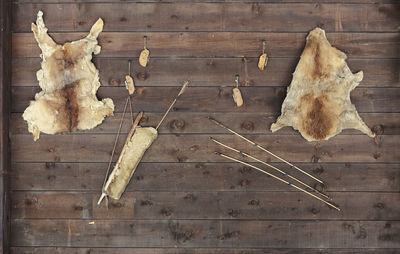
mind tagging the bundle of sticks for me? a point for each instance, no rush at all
(137, 142)
(288, 179)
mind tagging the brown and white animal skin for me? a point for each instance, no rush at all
(318, 98)
(69, 82)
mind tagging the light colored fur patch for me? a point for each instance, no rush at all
(69, 82)
(318, 98)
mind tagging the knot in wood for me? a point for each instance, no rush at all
(144, 119)
(255, 202)
(315, 211)
(142, 76)
(50, 165)
(378, 129)
(115, 82)
(177, 124)
(247, 125)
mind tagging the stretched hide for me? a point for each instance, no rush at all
(69, 82)
(318, 98)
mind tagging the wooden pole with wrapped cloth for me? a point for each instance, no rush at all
(138, 141)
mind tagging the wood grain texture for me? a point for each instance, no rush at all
(218, 44)
(209, 1)
(5, 84)
(198, 148)
(218, 233)
(213, 17)
(183, 198)
(218, 99)
(205, 205)
(211, 71)
(192, 177)
(197, 123)
(66, 250)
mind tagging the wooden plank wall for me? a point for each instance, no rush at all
(5, 105)
(184, 199)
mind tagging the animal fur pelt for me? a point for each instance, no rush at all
(69, 82)
(318, 98)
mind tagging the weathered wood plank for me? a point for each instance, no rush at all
(198, 148)
(209, 1)
(205, 205)
(197, 123)
(260, 17)
(66, 250)
(5, 91)
(202, 177)
(193, 233)
(218, 44)
(218, 99)
(211, 71)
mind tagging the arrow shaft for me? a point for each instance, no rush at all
(265, 150)
(271, 166)
(280, 179)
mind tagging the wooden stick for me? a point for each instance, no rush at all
(185, 84)
(265, 150)
(273, 167)
(113, 150)
(135, 124)
(279, 179)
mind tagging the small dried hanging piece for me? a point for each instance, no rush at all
(236, 94)
(129, 83)
(145, 54)
(306, 188)
(138, 141)
(263, 60)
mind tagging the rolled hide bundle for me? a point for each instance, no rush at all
(133, 151)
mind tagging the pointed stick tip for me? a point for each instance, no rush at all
(103, 195)
(212, 119)
(185, 84)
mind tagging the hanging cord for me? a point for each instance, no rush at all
(237, 80)
(129, 97)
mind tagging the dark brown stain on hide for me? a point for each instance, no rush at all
(71, 106)
(318, 120)
(317, 70)
(65, 58)
(317, 64)
(62, 63)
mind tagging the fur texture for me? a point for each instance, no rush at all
(69, 82)
(318, 98)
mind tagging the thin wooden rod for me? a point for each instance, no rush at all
(128, 138)
(279, 179)
(273, 167)
(265, 150)
(113, 150)
(131, 110)
(185, 84)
